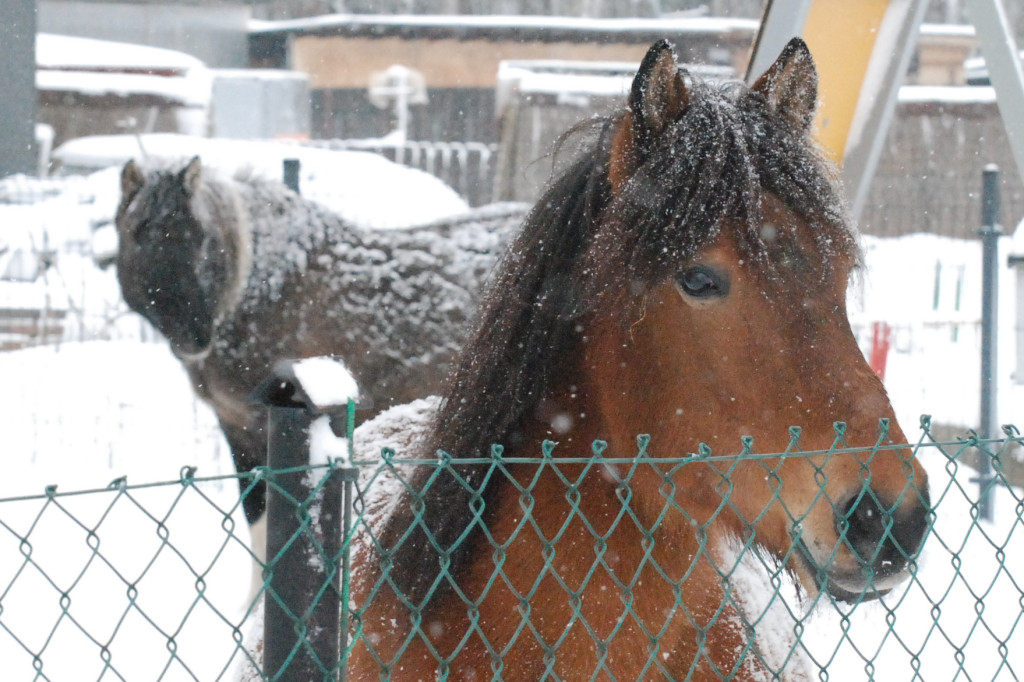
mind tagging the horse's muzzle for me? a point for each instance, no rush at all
(876, 541)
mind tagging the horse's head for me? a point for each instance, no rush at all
(177, 260)
(726, 244)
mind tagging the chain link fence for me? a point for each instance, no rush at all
(138, 582)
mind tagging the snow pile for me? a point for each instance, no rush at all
(362, 187)
(325, 381)
(324, 446)
(326, 385)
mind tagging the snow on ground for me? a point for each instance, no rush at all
(928, 289)
(958, 614)
(112, 580)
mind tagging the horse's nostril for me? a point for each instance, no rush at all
(862, 523)
(882, 536)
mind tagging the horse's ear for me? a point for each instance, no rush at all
(790, 85)
(190, 175)
(132, 180)
(657, 97)
(658, 94)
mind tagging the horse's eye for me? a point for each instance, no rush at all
(702, 283)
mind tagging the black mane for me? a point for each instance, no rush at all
(582, 246)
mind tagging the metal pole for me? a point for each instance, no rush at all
(990, 233)
(18, 85)
(302, 601)
(291, 175)
(781, 20)
(1002, 59)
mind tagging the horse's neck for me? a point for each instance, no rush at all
(568, 539)
(584, 537)
(281, 222)
(257, 204)
(566, 414)
(610, 531)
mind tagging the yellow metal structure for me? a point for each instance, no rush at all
(862, 49)
(841, 35)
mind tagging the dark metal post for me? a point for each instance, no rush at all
(291, 174)
(304, 536)
(18, 85)
(990, 233)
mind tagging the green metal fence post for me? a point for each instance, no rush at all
(990, 233)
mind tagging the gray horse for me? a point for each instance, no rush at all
(240, 273)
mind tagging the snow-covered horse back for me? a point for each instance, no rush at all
(238, 273)
(686, 279)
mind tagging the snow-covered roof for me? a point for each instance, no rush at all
(498, 27)
(568, 78)
(87, 54)
(977, 71)
(261, 74)
(948, 30)
(1017, 245)
(102, 67)
(495, 26)
(960, 94)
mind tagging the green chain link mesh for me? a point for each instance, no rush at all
(151, 582)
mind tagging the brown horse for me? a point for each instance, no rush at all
(685, 278)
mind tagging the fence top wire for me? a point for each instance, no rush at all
(952, 449)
